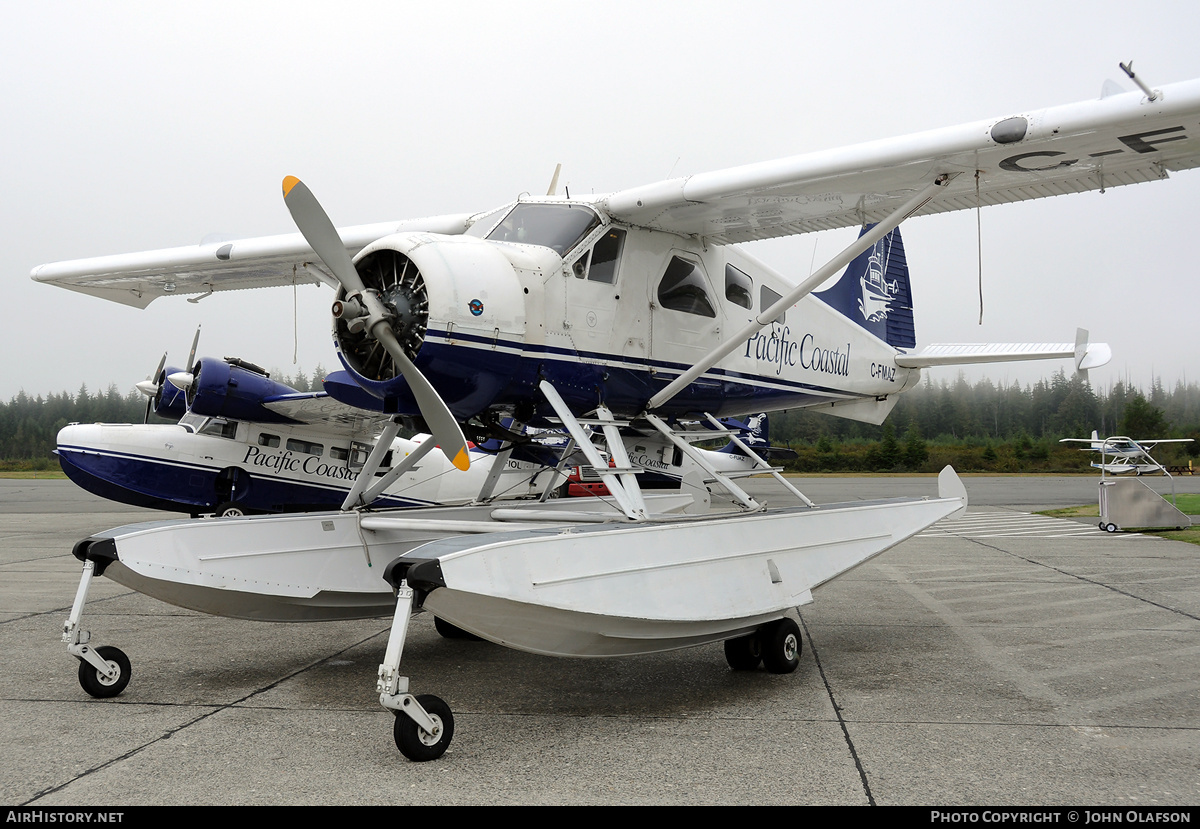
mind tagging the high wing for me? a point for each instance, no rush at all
(1119, 139)
(1092, 145)
(137, 279)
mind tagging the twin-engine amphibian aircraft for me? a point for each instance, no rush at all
(1128, 455)
(246, 445)
(626, 313)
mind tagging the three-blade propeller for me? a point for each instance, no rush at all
(322, 237)
(151, 387)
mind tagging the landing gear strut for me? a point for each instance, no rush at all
(103, 672)
(424, 725)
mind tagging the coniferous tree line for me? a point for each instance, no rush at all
(29, 424)
(983, 426)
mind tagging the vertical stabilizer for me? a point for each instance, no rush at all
(752, 432)
(874, 292)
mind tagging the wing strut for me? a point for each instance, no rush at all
(803, 289)
(625, 488)
(382, 445)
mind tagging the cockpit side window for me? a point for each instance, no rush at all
(739, 288)
(683, 288)
(559, 227)
(220, 428)
(769, 298)
(600, 264)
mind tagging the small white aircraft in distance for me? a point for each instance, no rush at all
(1128, 455)
(628, 313)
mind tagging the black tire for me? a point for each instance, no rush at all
(97, 684)
(781, 646)
(231, 510)
(449, 631)
(743, 653)
(1110, 527)
(417, 744)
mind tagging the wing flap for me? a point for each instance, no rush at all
(1114, 141)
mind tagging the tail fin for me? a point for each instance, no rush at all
(752, 432)
(874, 292)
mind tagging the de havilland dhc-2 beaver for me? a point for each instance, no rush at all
(622, 315)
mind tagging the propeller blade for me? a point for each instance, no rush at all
(442, 425)
(149, 387)
(319, 232)
(314, 224)
(191, 363)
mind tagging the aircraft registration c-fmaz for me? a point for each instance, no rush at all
(619, 315)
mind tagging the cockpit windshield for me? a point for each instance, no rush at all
(556, 226)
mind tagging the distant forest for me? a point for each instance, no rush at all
(980, 427)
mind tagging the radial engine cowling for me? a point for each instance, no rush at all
(457, 307)
(235, 390)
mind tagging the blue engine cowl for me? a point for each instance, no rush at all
(228, 388)
(170, 401)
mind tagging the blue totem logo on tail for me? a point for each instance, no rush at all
(874, 292)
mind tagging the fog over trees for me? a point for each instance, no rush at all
(981, 426)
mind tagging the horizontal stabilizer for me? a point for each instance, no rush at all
(1086, 355)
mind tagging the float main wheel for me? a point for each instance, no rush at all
(781, 646)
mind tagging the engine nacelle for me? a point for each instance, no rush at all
(235, 390)
(458, 310)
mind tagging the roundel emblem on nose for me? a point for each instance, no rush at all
(476, 307)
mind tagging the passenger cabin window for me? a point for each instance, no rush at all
(268, 440)
(220, 428)
(600, 263)
(338, 453)
(739, 288)
(559, 227)
(305, 447)
(683, 289)
(769, 298)
(359, 452)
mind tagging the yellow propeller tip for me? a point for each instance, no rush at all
(462, 460)
(288, 183)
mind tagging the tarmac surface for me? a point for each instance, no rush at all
(1002, 658)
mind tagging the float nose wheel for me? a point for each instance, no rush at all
(415, 742)
(102, 684)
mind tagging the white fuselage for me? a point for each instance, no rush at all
(202, 463)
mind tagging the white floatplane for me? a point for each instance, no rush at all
(1127, 455)
(620, 315)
